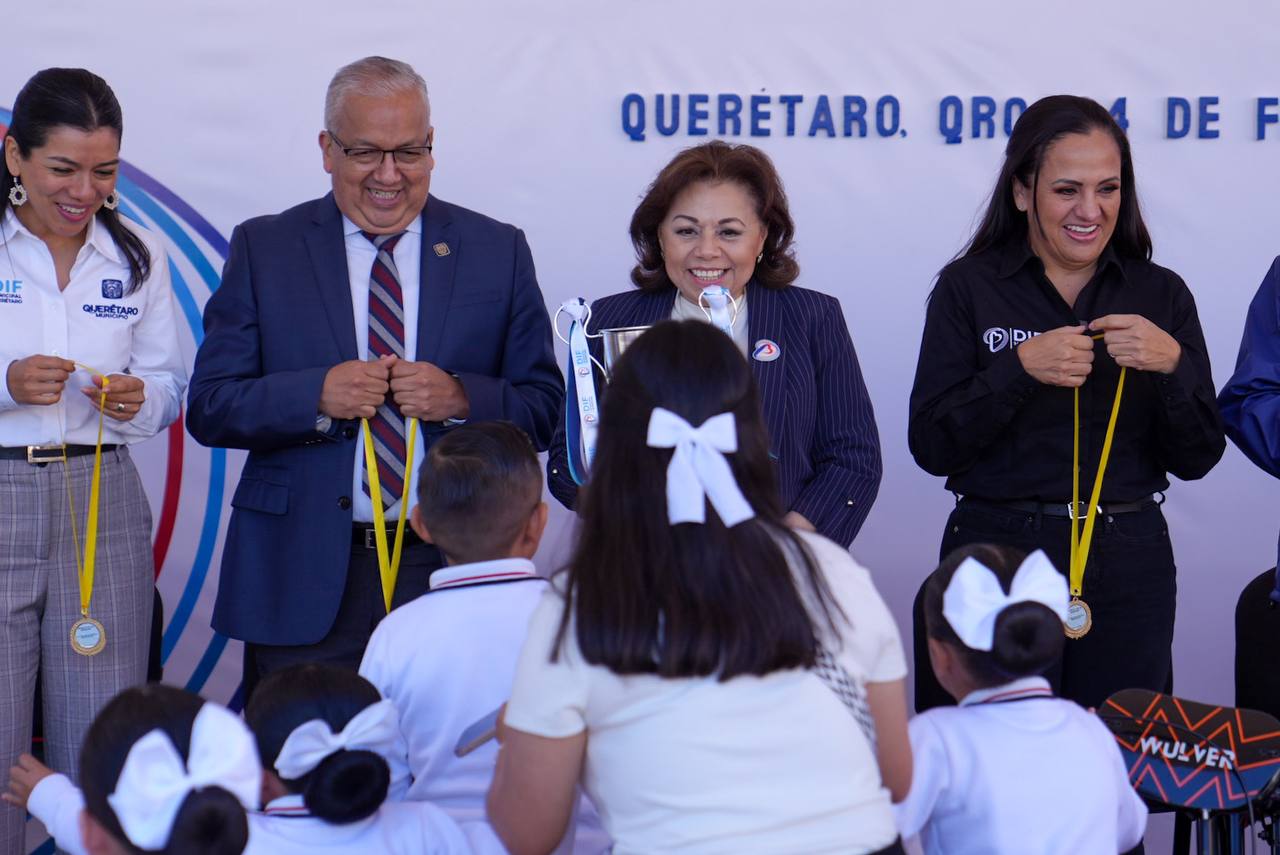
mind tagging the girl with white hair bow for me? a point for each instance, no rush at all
(718, 681)
(1012, 769)
(333, 751)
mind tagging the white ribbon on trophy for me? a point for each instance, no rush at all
(580, 433)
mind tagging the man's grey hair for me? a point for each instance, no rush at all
(373, 75)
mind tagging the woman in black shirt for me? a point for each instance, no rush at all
(1056, 293)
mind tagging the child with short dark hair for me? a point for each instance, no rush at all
(1012, 769)
(448, 658)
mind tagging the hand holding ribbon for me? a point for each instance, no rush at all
(154, 781)
(974, 598)
(698, 468)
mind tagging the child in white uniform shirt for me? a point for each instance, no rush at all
(448, 658)
(325, 733)
(162, 771)
(1012, 769)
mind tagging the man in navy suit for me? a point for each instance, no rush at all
(376, 302)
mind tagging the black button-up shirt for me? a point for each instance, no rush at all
(981, 420)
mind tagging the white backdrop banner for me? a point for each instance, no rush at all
(886, 121)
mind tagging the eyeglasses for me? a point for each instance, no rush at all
(410, 157)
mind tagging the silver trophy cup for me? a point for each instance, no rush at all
(617, 340)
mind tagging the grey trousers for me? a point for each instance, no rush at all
(40, 600)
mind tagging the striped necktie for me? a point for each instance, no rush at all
(386, 336)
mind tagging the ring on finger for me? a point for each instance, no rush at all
(120, 407)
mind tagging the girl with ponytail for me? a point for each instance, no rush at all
(1012, 769)
(333, 750)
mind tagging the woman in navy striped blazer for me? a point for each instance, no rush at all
(717, 215)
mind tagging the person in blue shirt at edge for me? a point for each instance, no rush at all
(1250, 400)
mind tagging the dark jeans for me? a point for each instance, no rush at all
(1129, 585)
(361, 609)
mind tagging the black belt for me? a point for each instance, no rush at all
(1064, 509)
(362, 534)
(42, 454)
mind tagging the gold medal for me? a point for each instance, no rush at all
(1079, 619)
(88, 637)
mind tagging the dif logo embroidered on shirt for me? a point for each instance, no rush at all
(998, 338)
(10, 290)
(112, 289)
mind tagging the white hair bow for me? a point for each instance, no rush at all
(155, 782)
(375, 728)
(974, 599)
(699, 468)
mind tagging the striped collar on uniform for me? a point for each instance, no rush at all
(483, 572)
(1027, 687)
(289, 806)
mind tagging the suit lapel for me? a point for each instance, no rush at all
(327, 247)
(766, 318)
(656, 306)
(435, 289)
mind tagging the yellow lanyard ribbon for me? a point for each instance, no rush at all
(1080, 542)
(86, 564)
(388, 565)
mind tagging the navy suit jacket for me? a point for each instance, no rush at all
(822, 431)
(279, 321)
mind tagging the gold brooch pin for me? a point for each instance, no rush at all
(442, 249)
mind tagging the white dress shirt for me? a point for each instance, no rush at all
(360, 257)
(93, 322)
(397, 828)
(447, 659)
(1013, 770)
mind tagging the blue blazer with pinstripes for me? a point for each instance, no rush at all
(822, 430)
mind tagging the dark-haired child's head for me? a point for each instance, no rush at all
(345, 786)
(210, 819)
(1026, 640)
(480, 494)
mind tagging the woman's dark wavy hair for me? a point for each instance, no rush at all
(716, 162)
(211, 820)
(1028, 637)
(1044, 123)
(347, 786)
(74, 98)
(687, 600)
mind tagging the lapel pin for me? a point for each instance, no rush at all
(766, 351)
(442, 249)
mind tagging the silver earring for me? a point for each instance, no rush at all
(17, 194)
(112, 201)
(759, 258)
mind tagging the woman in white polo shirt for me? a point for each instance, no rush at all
(719, 681)
(86, 308)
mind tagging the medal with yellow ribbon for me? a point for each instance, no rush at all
(388, 560)
(1079, 617)
(88, 636)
